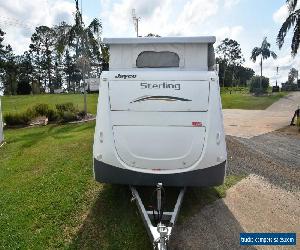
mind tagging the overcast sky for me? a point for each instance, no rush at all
(247, 21)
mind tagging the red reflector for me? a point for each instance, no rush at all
(197, 124)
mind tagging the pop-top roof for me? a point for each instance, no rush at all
(160, 40)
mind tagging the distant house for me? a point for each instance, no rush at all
(59, 91)
(1, 125)
(93, 84)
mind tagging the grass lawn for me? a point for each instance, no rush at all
(22, 102)
(236, 100)
(50, 200)
(246, 101)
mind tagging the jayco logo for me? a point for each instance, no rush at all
(125, 76)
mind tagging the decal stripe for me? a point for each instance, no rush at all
(161, 98)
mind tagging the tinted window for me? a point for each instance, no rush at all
(152, 59)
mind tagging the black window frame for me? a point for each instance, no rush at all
(172, 62)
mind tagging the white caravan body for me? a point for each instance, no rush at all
(159, 114)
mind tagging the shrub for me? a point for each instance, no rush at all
(68, 116)
(68, 106)
(255, 85)
(82, 114)
(66, 112)
(52, 115)
(18, 119)
(289, 87)
(41, 109)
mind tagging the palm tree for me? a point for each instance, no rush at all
(293, 20)
(263, 52)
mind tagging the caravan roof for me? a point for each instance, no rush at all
(160, 40)
(160, 53)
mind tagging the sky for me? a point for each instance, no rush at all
(247, 21)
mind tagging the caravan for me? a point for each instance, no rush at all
(159, 115)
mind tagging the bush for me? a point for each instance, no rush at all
(82, 114)
(68, 116)
(255, 85)
(41, 109)
(289, 87)
(65, 107)
(18, 119)
(44, 110)
(53, 116)
(66, 112)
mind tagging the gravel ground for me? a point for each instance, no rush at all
(268, 200)
(253, 205)
(275, 156)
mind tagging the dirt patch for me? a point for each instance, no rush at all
(290, 131)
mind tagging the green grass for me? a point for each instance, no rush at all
(49, 198)
(247, 101)
(20, 103)
(237, 100)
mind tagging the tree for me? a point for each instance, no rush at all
(43, 42)
(80, 37)
(105, 56)
(2, 49)
(293, 75)
(2, 56)
(68, 69)
(229, 54)
(293, 20)
(10, 74)
(259, 84)
(84, 39)
(25, 74)
(244, 74)
(263, 52)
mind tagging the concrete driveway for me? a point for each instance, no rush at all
(250, 123)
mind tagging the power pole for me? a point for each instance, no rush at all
(83, 62)
(277, 70)
(135, 22)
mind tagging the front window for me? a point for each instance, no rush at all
(162, 59)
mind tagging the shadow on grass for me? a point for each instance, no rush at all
(113, 222)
